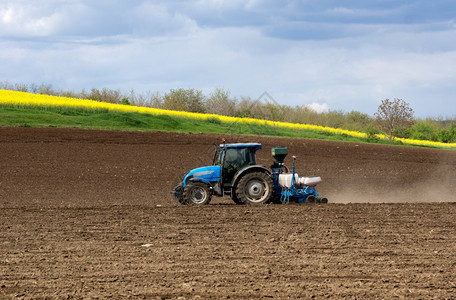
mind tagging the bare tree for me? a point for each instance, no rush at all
(219, 102)
(392, 115)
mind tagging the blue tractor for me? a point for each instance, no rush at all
(234, 172)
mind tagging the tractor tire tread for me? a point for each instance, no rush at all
(240, 187)
(188, 193)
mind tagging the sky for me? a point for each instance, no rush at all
(327, 54)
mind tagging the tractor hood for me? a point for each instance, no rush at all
(205, 174)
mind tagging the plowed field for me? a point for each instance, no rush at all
(88, 214)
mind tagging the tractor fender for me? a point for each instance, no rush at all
(247, 169)
(204, 174)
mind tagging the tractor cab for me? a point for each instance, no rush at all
(234, 157)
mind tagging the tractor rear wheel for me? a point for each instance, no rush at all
(254, 188)
(236, 200)
(197, 193)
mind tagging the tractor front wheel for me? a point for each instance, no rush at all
(197, 193)
(254, 188)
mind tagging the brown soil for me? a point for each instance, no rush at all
(88, 214)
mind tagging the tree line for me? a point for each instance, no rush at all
(394, 118)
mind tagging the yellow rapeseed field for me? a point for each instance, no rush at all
(22, 99)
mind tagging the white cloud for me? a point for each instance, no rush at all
(7, 15)
(318, 107)
(38, 19)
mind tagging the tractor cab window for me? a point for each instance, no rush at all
(233, 158)
(248, 156)
(220, 157)
(236, 159)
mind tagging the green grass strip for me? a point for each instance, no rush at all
(25, 109)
